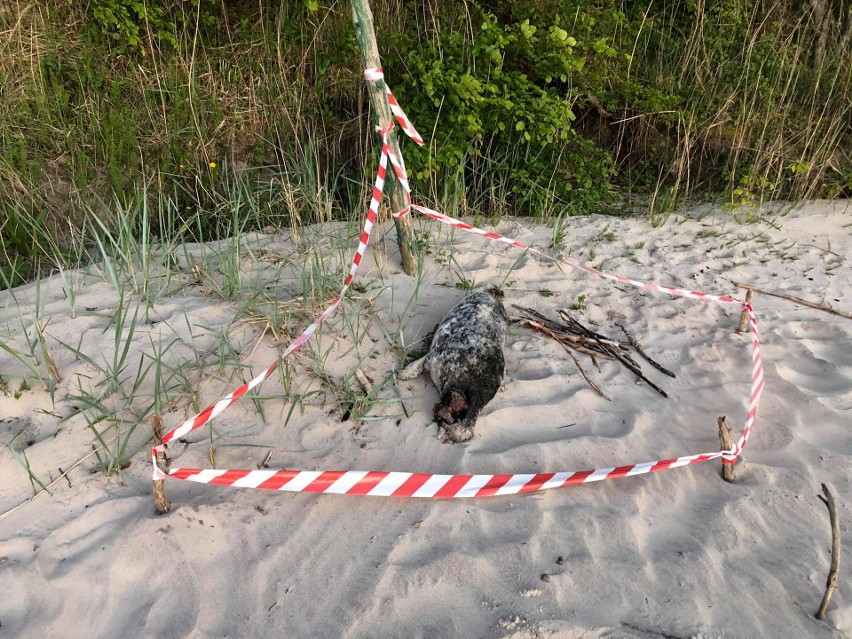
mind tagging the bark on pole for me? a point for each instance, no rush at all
(160, 502)
(743, 327)
(362, 18)
(727, 442)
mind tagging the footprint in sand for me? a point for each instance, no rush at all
(814, 375)
(821, 339)
(844, 403)
(533, 371)
(806, 369)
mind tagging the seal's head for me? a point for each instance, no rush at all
(455, 417)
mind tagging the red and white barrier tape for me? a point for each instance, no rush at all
(404, 484)
(396, 484)
(375, 75)
(681, 292)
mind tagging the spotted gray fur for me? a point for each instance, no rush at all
(465, 362)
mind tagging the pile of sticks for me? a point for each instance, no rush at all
(573, 336)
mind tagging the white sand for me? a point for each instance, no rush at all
(675, 554)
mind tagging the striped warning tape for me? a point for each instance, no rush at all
(396, 484)
(387, 148)
(404, 484)
(681, 292)
(375, 75)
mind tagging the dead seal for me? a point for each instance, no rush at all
(465, 362)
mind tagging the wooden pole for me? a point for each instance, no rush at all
(743, 327)
(831, 582)
(728, 470)
(160, 502)
(362, 18)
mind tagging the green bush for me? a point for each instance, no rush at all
(504, 95)
(126, 22)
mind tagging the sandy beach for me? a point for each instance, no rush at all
(673, 554)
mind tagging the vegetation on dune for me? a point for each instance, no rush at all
(542, 107)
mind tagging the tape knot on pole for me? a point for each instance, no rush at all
(374, 74)
(730, 455)
(158, 474)
(384, 132)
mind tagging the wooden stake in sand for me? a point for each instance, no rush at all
(727, 441)
(831, 582)
(743, 327)
(160, 502)
(362, 18)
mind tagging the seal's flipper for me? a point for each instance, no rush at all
(414, 369)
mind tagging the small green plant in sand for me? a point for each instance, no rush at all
(356, 397)
(37, 359)
(580, 304)
(465, 284)
(606, 235)
(22, 388)
(21, 458)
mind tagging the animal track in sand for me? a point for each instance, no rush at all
(821, 339)
(813, 375)
(533, 371)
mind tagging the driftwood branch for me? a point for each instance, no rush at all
(793, 298)
(364, 381)
(573, 335)
(160, 502)
(727, 442)
(594, 386)
(568, 341)
(644, 355)
(579, 343)
(615, 351)
(831, 582)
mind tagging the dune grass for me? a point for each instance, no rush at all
(143, 258)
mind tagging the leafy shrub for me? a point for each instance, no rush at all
(506, 93)
(125, 21)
